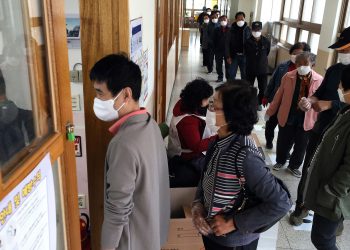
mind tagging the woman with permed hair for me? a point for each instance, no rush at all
(186, 142)
(234, 164)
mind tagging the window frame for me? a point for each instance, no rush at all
(298, 24)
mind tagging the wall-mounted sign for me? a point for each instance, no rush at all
(28, 212)
(77, 146)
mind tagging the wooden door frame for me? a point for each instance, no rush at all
(103, 28)
(56, 144)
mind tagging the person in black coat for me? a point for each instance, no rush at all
(234, 49)
(257, 49)
(207, 41)
(220, 36)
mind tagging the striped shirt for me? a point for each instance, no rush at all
(220, 184)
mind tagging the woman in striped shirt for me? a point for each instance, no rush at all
(214, 208)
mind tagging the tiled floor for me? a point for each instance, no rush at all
(287, 236)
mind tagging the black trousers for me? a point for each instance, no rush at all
(323, 233)
(310, 150)
(211, 245)
(270, 126)
(287, 137)
(205, 56)
(219, 59)
(262, 83)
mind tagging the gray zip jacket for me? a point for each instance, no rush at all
(137, 197)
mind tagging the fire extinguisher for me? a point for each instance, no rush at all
(85, 231)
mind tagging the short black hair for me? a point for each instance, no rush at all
(118, 72)
(239, 101)
(193, 94)
(345, 78)
(239, 13)
(223, 16)
(208, 9)
(2, 84)
(300, 45)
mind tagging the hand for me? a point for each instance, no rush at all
(320, 106)
(264, 101)
(229, 60)
(198, 215)
(304, 104)
(221, 226)
(266, 117)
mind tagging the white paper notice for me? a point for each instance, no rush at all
(28, 214)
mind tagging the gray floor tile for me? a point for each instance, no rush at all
(297, 239)
(282, 241)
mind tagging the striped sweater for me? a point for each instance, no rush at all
(220, 183)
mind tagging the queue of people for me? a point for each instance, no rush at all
(237, 197)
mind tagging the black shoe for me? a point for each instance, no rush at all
(269, 145)
(296, 218)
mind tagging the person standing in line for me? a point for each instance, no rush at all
(274, 84)
(136, 197)
(234, 49)
(325, 101)
(200, 21)
(205, 42)
(220, 36)
(328, 179)
(257, 49)
(294, 124)
(208, 43)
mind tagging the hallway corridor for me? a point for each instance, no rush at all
(282, 236)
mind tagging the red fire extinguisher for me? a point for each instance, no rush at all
(85, 231)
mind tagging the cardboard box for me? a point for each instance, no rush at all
(183, 236)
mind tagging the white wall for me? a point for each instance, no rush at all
(74, 56)
(146, 10)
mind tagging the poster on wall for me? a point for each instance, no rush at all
(73, 31)
(28, 212)
(140, 57)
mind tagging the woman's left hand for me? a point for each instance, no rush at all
(221, 226)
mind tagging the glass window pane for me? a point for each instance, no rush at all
(314, 39)
(188, 13)
(189, 4)
(291, 35)
(287, 5)
(25, 112)
(284, 32)
(347, 18)
(317, 13)
(307, 11)
(199, 4)
(276, 10)
(304, 35)
(266, 9)
(294, 13)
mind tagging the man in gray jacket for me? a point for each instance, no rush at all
(137, 205)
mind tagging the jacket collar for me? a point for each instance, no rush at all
(116, 126)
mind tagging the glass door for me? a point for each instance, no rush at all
(35, 108)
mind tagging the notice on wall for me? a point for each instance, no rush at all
(139, 55)
(28, 212)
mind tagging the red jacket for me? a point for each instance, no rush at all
(190, 130)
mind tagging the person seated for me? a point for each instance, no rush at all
(15, 126)
(187, 137)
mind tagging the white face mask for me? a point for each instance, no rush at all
(210, 120)
(209, 13)
(223, 23)
(304, 70)
(341, 96)
(292, 58)
(256, 34)
(206, 20)
(215, 20)
(240, 23)
(104, 110)
(344, 58)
